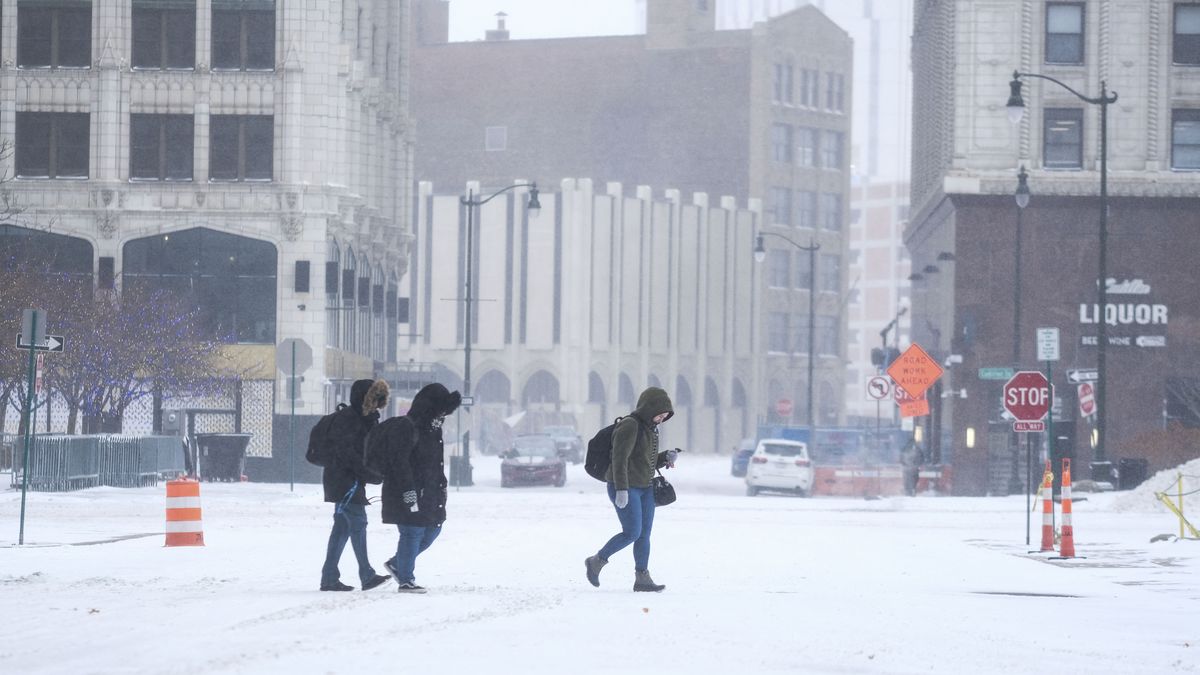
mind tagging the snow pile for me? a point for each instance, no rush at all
(1142, 497)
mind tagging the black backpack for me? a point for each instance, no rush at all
(320, 451)
(599, 451)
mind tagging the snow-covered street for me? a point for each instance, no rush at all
(764, 584)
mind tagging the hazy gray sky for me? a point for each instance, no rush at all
(544, 18)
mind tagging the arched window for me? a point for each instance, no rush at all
(595, 388)
(653, 381)
(542, 387)
(625, 390)
(683, 393)
(66, 258)
(493, 387)
(712, 398)
(230, 278)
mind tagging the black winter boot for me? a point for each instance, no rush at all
(594, 564)
(643, 582)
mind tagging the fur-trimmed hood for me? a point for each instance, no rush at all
(368, 396)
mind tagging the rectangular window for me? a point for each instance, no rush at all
(830, 273)
(839, 101)
(160, 147)
(1063, 138)
(241, 147)
(243, 35)
(806, 146)
(814, 88)
(802, 335)
(781, 84)
(781, 143)
(54, 35)
(779, 205)
(806, 209)
(495, 139)
(804, 270)
(805, 75)
(778, 268)
(1064, 32)
(777, 332)
(827, 335)
(831, 211)
(831, 91)
(1185, 139)
(164, 34)
(52, 145)
(1186, 46)
(831, 150)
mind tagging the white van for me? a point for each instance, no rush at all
(779, 464)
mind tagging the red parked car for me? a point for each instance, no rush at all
(533, 460)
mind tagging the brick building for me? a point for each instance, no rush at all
(965, 160)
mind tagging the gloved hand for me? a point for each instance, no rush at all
(622, 499)
(672, 455)
(410, 497)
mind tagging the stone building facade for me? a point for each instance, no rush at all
(966, 155)
(256, 154)
(578, 309)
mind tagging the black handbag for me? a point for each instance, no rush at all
(664, 492)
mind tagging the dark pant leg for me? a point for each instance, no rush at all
(631, 523)
(641, 547)
(356, 520)
(333, 551)
(407, 549)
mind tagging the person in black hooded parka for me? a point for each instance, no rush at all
(408, 452)
(345, 482)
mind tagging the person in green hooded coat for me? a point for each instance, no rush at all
(635, 458)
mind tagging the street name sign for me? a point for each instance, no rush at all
(996, 373)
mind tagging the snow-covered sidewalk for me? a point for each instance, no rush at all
(764, 584)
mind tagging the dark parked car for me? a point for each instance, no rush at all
(568, 441)
(740, 460)
(533, 460)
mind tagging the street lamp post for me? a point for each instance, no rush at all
(760, 254)
(471, 203)
(1016, 109)
(1022, 198)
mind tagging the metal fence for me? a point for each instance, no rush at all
(60, 463)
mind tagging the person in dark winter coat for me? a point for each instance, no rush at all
(408, 452)
(345, 482)
(635, 458)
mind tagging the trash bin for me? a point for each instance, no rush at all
(1102, 472)
(222, 457)
(460, 471)
(1132, 472)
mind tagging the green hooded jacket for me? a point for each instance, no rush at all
(635, 453)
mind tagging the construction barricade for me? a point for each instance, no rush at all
(184, 527)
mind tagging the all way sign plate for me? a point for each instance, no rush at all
(52, 343)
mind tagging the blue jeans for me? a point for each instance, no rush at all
(636, 520)
(349, 522)
(414, 539)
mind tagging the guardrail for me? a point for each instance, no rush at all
(59, 463)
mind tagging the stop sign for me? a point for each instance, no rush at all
(783, 407)
(1027, 396)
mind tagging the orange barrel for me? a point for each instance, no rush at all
(1066, 548)
(183, 513)
(1048, 509)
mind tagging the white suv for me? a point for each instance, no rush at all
(779, 464)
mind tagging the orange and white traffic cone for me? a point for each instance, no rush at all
(184, 527)
(1047, 510)
(1066, 548)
